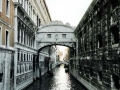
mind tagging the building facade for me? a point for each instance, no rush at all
(28, 16)
(6, 44)
(98, 60)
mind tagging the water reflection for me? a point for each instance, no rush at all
(60, 81)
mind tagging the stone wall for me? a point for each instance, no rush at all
(98, 36)
(6, 70)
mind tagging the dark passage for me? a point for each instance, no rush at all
(60, 81)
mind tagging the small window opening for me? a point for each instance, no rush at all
(114, 3)
(115, 81)
(48, 35)
(7, 38)
(100, 43)
(115, 33)
(63, 35)
(100, 75)
(91, 45)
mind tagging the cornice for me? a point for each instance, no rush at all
(5, 23)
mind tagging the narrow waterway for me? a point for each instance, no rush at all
(60, 81)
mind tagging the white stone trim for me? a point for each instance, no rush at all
(1, 35)
(8, 48)
(6, 24)
(0, 5)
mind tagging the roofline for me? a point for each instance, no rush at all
(89, 9)
(49, 25)
(47, 9)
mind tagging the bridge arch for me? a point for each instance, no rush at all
(54, 33)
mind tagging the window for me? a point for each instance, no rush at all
(24, 37)
(100, 75)
(7, 7)
(33, 41)
(99, 14)
(91, 45)
(31, 12)
(27, 56)
(85, 30)
(29, 8)
(63, 35)
(18, 34)
(115, 34)
(31, 58)
(85, 47)
(21, 56)
(7, 38)
(18, 69)
(100, 42)
(0, 35)
(0, 5)
(114, 3)
(27, 40)
(22, 31)
(39, 22)
(24, 57)
(18, 56)
(115, 81)
(48, 35)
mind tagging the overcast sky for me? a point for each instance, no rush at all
(70, 11)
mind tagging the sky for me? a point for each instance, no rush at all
(67, 11)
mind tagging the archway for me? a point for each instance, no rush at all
(46, 61)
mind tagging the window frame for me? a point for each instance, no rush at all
(63, 35)
(8, 11)
(48, 35)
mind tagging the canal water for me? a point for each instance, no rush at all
(60, 81)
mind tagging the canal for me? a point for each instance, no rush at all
(60, 81)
